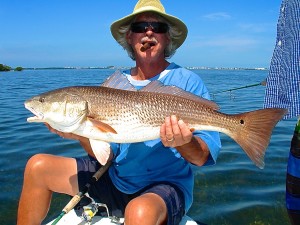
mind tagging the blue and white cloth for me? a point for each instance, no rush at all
(283, 81)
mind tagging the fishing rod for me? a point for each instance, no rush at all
(263, 83)
(73, 202)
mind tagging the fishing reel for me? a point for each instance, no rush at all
(90, 210)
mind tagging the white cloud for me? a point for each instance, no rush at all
(217, 16)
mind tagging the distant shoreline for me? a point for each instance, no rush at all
(115, 68)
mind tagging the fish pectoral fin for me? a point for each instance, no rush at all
(102, 126)
(101, 150)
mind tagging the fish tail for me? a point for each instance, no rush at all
(255, 133)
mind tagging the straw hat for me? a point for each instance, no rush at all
(151, 6)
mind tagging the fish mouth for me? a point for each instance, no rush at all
(38, 116)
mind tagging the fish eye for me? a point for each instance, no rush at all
(42, 100)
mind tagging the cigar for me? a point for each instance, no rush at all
(145, 46)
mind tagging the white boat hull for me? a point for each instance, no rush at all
(72, 218)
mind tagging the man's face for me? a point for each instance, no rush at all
(154, 34)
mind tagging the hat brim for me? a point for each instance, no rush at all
(174, 21)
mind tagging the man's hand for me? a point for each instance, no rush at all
(174, 133)
(177, 134)
(84, 142)
(64, 135)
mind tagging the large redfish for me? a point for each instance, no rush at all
(104, 114)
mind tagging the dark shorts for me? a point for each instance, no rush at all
(104, 191)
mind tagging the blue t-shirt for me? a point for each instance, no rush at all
(137, 165)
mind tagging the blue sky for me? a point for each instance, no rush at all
(222, 33)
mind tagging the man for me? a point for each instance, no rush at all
(150, 182)
(283, 91)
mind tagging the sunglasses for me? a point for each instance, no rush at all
(156, 27)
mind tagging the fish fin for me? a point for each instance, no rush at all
(158, 87)
(102, 126)
(119, 81)
(101, 150)
(256, 130)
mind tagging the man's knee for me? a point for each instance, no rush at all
(146, 206)
(36, 165)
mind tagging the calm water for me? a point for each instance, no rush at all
(233, 191)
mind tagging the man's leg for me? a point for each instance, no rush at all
(159, 204)
(45, 174)
(146, 209)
